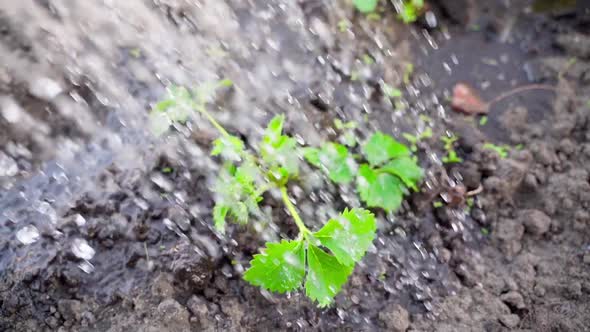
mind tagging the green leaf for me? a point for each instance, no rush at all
(312, 155)
(280, 268)
(219, 214)
(163, 105)
(406, 169)
(176, 107)
(275, 127)
(408, 13)
(325, 276)
(159, 123)
(229, 147)
(379, 189)
(235, 189)
(380, 148)
(349, 236)
(279, 150)
(333, 159)
(483, 120)
(365, 6)
(501, 150)
(391, 92)
(225, 83)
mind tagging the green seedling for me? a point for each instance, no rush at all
(410, 10)
(374, 16)
(469, 204)
(483, 120)
(382, 181)
(366, 6)
(437, 204)
(347, 132)
(449, 142)
(135, 52)
(390, 170)
(320, 261)
(343, 25)
(415, 139)
(391, 92)
(167, 170)
(501, 150)
(368, 60)
(408, 72)
(334, 159)
(425, 118)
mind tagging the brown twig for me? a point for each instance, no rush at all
(475, 191)
(519, 90)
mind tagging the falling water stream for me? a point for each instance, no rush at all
(80, 77)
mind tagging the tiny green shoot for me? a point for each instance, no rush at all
(414, 140)
(425, 118)
(437, 204)
(347, 132)
(374, 16)
(167, 170)
(501, 150)
(368, 60)
(365, 6)
(343, 25)
(410, 10)
(391, 92)
(483, 120)
(135, 52)
(449, 143)
(409, 70)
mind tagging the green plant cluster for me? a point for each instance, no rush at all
(409, 10)
(449, 146)
(321, 261)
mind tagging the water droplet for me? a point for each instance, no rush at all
(86, 266)
(81, 249)
(28, 235)
(79, 220)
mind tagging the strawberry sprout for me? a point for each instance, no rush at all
(321, 261)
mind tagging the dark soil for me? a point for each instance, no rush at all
(514, 257)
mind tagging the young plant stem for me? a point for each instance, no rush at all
(293, 212)
(202, 110)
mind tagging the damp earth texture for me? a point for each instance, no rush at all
(420, 165)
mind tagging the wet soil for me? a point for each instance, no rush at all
(77, 164)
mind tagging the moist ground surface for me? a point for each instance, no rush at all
(79, 168)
